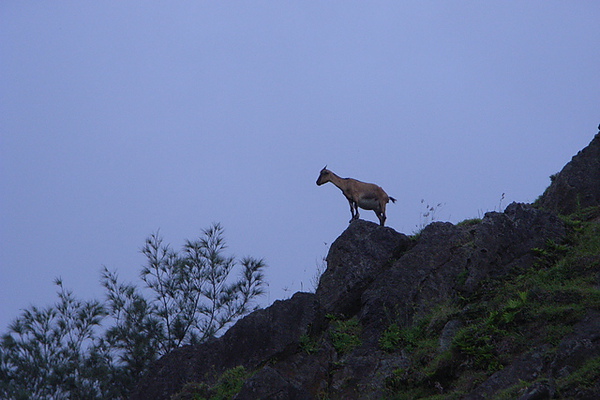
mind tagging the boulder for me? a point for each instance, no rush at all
(359, 255)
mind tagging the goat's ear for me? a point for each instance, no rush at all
(325, 167)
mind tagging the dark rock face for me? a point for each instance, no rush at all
(576, 186)
(526, 368)
(450, 260)
(376, 275)
(298, 377)
(575, 350)
(355, 259)
(261, 336)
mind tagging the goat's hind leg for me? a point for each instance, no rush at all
(382, 218)
(381, 214)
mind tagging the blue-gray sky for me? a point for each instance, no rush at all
(121, 118)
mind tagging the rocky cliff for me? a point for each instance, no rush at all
(507, 306)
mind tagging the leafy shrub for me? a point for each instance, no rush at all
(64, 352)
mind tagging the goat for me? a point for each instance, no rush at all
(367, 196)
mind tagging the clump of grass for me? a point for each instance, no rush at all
(308, 344)
(227, 386)
(395, 337)
(391, 338)
(345, 335)
(469, 222)
(230, 383)
(476, 344)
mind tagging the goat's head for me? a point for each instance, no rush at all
(324, 176)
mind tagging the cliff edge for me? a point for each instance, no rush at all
(508, 305)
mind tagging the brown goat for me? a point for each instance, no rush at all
(367, 196)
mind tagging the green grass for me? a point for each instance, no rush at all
(395, 337)
(469, 222)
(309, 345)
(345, 335)
(507, 317)
(227, 386)
(583, 378)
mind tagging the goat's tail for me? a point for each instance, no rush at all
(392, 199)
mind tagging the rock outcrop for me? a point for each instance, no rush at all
(329, 344)
(355, 260)
(450, 261)
(576, 186)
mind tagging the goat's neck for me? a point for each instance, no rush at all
(337, 181)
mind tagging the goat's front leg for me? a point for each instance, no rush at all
(353, 210)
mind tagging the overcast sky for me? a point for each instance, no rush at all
(121, 118)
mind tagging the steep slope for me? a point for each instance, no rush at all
(503, 307)
(576, 186)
